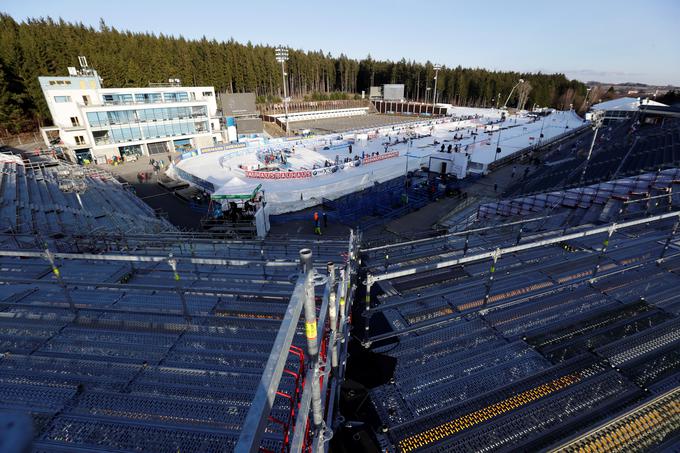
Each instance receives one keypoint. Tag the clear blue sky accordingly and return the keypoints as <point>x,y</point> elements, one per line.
<point>605,40</point>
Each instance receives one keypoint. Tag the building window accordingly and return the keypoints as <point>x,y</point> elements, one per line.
<point>75,121</point>
<point>62,99</point>
<point>207,93</point>
<point>148,98</point>
<point>101,137</point>
<point>118,99</point>
<point>86,100</point>
<point>80,140</point>
<point>180,96</point>
<point>98,119</point>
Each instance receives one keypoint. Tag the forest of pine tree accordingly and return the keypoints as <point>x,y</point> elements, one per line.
<point>41,47</point>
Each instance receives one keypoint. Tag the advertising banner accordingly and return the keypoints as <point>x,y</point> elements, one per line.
<point>188,177</point>
<point>370,159</point>
<point>279,174</point>
<point>324,171</point>
<point>188,154</point>
<point>225,147</point>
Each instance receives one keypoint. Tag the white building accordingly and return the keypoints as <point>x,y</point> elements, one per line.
<point>621,108</point>
<point>98,123</point>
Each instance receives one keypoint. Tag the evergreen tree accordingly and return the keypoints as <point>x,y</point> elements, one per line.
<point>44,47</point>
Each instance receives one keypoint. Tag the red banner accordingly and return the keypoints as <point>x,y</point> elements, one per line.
<point>278,174</point>
<point>371,159</point>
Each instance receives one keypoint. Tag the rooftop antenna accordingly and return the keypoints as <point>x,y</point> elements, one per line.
<point>85,69</point>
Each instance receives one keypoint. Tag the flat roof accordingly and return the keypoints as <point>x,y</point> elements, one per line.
<point>627,104</point>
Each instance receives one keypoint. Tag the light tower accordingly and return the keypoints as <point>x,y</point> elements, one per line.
<point>437,67</point>
<point>282,57</point>
<point>597,120</point>
<point>584,107</point>
<point>511,91</point>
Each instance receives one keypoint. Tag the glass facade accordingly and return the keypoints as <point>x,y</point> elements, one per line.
<point>180,96</point>
<point>101,119</point>
<point>130,150</point>
<point>140,131</point>
<point>125,133</point>
<point>118,126</point>
<point>124,98</point>
<point>148,98</point>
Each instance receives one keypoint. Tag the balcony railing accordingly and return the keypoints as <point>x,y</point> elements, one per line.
<point>149,101</point>
<point>137,120</point>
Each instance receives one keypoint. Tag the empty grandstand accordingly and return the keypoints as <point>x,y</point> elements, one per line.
<point>622,149</point>
<point>120,333</point>
<point>548,321</point>
<point>516,337</point>
<point>59,198</point>
<point>603,201</point>
<point>176,347</point>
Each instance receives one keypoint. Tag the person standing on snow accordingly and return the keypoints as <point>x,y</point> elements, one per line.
<point>317,225</point>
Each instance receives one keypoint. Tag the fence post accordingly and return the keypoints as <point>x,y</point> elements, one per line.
<point>668,241</point>
<point>605,244</point>
<point>367,311</point>
<point>333,316</point>
<point>343,295</point>
<point>489,282</point>
<point>57,274</point>
<point>311,334</point>
<point>185,310</point>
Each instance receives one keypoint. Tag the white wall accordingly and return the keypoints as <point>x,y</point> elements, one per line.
<point>321,114</point>
<point>78,86</point>
<point>456,163</point>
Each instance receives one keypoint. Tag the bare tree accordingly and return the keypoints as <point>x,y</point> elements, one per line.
<point>523,91</point>
<point>593,96</point>
<point>567,99</point>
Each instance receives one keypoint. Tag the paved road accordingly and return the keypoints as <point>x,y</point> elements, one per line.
<point>156,196</point>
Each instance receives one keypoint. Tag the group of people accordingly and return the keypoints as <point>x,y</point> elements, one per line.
<point>455,148</point>
<point>156,166</point>
<point>234,212</point>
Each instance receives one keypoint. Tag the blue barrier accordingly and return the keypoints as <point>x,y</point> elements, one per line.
<point>188,177</point>
<point>370,207</point>
<point>199,208</point>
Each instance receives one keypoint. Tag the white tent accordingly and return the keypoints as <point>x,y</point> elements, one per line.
<point>236,188</point>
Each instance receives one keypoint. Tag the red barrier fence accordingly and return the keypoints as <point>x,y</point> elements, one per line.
<point>370,159</point>
<point>316,172</point>
<point>279,174</point>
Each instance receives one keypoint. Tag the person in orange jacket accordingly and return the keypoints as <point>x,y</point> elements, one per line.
<point>317,225</point>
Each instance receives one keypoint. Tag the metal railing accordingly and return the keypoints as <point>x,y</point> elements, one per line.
<point>326,336</point>
<point>548,142</point>
<point>371,279</point>
<point>325,350</point>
